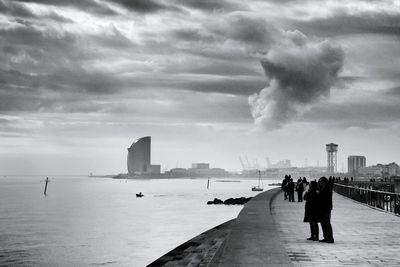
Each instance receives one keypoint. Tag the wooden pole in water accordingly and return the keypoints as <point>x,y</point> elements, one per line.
<point>45,187</point>
<point>208,183</point>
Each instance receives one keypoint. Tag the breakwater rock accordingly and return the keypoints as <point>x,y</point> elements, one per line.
<point>230,201</point>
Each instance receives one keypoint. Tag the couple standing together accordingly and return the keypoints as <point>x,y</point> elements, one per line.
<point>318,209</point>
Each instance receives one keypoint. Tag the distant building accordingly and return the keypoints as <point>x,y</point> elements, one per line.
<point>354,163</point>
<point>200,165</point>
<point>139,158</point>
<point>370,172</point>
<point>155,169</point>
<point>198,170</point>
<point>282,164</point>
<point>380,171</point>
<point>178,172</point>
<point>389,170</point>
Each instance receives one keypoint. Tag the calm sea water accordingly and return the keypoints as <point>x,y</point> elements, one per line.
<point>99,221</point>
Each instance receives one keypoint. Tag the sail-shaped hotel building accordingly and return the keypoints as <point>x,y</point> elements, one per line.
<point>139,157</point>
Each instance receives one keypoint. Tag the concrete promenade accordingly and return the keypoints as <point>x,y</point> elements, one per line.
<point>254,240</point>
<point>363,236</point>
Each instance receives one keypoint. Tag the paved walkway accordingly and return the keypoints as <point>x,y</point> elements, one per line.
<point>363,236</point>
<point>253,241</point>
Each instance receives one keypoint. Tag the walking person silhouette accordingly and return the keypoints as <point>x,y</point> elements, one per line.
<point>312,210</point>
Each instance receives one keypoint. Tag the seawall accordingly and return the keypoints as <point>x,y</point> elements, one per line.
<point>254,239</point>
<point>249,240</point>
<point>199,250</point>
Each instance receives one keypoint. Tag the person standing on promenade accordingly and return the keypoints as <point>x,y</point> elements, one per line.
<point>326,188</point>
<point>300,190</point>
<point>284,186</point>
<point>290,189</point>
<point>312,210</point>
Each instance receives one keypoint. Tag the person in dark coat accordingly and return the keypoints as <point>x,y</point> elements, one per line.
<point>290,189</point>
<point>312,210</point>
<point>300,190</point>
<point>326,188</point>
<point>284,186</point>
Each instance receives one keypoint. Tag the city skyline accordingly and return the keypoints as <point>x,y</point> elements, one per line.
<point>208,80</point>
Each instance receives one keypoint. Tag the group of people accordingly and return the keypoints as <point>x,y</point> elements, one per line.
<point>318,204</point>
<point>289,187</point>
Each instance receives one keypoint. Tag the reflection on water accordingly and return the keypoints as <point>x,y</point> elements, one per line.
<point>100,221</point>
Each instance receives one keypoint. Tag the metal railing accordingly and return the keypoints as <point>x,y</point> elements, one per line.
<point>379,186</point>
<point>387,201</point>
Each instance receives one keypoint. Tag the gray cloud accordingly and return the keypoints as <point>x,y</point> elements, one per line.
<point>300,73</point>
<point>14,9</point>
<point>367,114</point>
<point>20,10</point>
<point>114,40</point>
<point>343,22</point>
<point>246,28</point>
<point>89,6</point>
<point>143,6</point>
<point>211,5</point>
<point>225,68</point>
<point>55,91</point>
<point>49,67</point>
<point>394,91</point>
<point>232,85</point>
<point>191,35</point>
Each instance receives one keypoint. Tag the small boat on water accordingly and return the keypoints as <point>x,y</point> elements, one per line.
<point>139,195</point>
<point>256,188</point>
<point>259,186</point>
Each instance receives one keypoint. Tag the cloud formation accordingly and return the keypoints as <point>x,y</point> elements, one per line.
<point>57,55</point>
<point>300,71</point>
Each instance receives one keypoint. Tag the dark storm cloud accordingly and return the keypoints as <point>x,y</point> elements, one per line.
<point>343,22</point>
<point>300,74</point>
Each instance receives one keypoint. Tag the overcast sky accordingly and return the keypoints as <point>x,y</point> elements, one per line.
<point>80,80</point>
